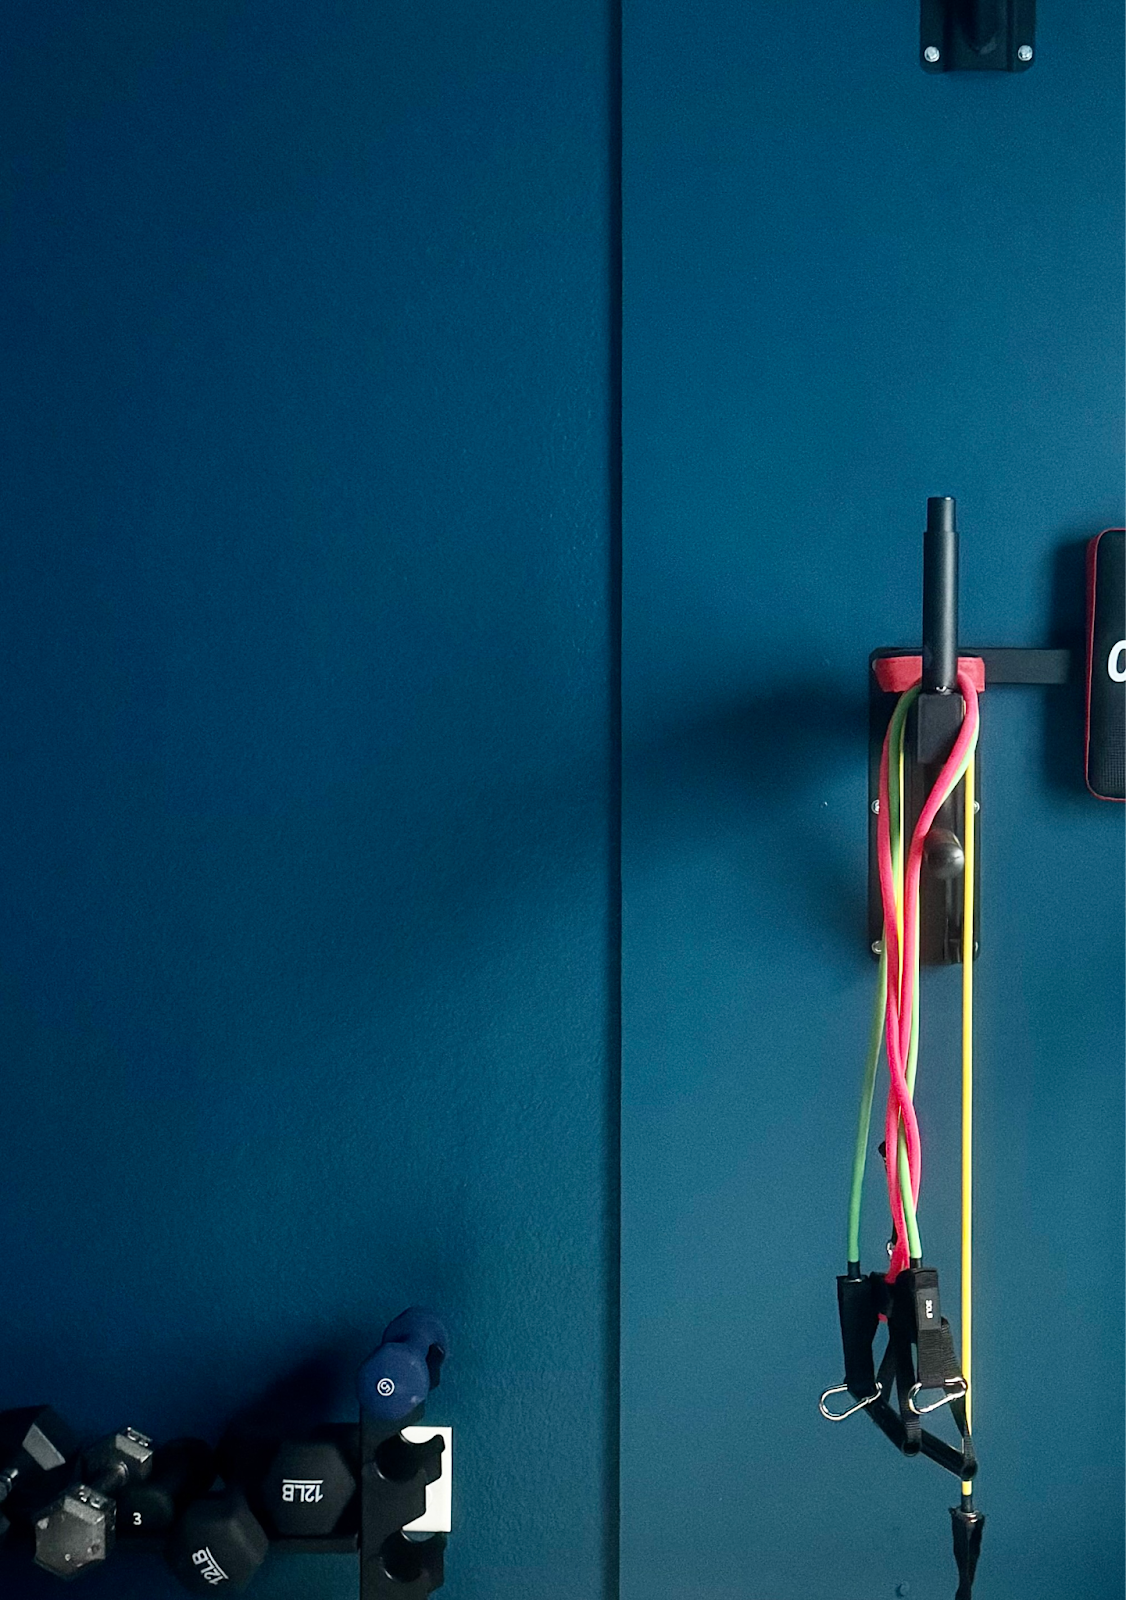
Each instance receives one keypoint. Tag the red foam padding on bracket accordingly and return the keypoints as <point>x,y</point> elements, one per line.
<point>897,674</point>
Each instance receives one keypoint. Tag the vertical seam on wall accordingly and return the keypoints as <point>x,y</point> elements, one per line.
<point>612,1551</point>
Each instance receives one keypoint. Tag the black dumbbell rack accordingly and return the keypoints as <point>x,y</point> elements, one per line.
<point>363,1483</point>
<point>393,1480</point>
<point>393,1476</point>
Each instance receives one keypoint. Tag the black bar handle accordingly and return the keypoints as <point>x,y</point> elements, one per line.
<point>940,597</point>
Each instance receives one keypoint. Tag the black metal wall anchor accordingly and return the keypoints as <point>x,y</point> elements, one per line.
<point>977,35</point>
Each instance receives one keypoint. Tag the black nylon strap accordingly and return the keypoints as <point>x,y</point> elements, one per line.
<point>900,1360</point>
<point>938,1362</point>
<point>911,1300</point>
<point>916,1317</point>
<point>968,1466</point>
<point>918,1300</point>
<point>961,1464</point>
<point>889,1421</point>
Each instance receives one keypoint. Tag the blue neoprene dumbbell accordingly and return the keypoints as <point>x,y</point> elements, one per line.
<point>396,1379</point>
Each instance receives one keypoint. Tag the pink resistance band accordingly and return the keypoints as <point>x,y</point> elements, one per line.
<point>901,975</point>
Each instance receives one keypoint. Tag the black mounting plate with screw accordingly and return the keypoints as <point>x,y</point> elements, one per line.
<point>977,35</point>
<point>940,907</point>
<point>940,897</point>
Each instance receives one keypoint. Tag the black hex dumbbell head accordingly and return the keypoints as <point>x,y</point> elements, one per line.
<point>36,1451</point>
<point>307,1488</point>
<point>77,1531</point>
<point>182,1470</point>
<point>218,1544</point>
<point>116,1460</point>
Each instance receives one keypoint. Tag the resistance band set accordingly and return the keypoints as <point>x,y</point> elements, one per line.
<point>925,869</point>
<point>924,910</point>
<point>924,905</point>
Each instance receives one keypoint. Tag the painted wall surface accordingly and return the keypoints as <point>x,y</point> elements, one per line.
<point>849,285</point>
<point>306,843</point>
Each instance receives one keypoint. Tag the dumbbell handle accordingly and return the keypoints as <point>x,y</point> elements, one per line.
<point>181,1471</point>
<point>109,1466</point>
<point>110,1481</point>
<point>9,1479</point>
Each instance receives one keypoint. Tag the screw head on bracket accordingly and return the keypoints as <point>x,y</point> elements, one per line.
<point>932,54</point>
<point>1024,53</point>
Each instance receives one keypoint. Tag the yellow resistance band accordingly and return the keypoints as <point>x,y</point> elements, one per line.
<point>968,1099</point>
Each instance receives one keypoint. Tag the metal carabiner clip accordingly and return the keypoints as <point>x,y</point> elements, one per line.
<point>936,1405</point>
<point>840,1416</point>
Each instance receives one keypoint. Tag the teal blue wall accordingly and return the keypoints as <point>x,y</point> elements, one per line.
<point>306,843</point>
<point>849,285</point>
<point>308,699</point>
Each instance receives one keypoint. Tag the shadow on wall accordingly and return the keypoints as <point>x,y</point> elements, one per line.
<point>758,770</point>
<point>1064,717</point>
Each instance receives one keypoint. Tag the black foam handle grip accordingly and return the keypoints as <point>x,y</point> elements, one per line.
<point>856,1307</point>
<point>1106,665</point>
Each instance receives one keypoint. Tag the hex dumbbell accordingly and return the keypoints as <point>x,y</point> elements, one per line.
<point>182,1470</point>
<point>77,1531</point>
<point>300,1488</point>
<point>308,1485</point>
<point>36,1450</point>
<point>397,1377</point>
<point>218,1542</point>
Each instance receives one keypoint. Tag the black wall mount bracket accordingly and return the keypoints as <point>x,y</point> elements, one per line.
<point>977,35</point>
<point>941,933</point>
<point>939,667</point>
